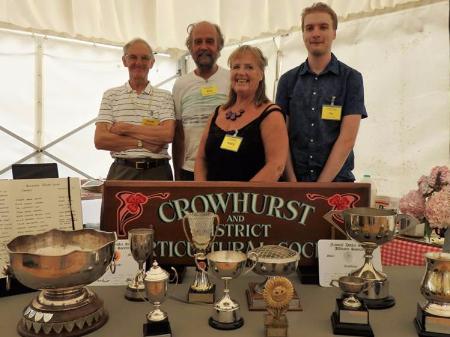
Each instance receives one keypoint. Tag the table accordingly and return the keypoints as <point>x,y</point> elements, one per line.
<point>191,320</point>
<point>406,252</point>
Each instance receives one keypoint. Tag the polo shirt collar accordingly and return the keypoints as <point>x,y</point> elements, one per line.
<point>332,66</point>
<point>148,89</point>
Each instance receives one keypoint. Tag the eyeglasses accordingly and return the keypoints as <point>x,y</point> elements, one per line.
<point>135,58</point>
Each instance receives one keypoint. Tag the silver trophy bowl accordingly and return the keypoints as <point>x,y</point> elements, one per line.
<point>372,227</point>
<point>61,259</point>
<point>273,260</point>
<point>61,264</point>
<point>436,284</point>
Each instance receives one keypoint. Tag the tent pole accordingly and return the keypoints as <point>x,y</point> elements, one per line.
<point>38,109</point>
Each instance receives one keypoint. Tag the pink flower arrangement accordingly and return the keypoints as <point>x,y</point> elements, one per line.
<point>430,203</point>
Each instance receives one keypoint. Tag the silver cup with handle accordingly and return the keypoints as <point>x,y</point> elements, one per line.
<point>433,316</point>
<point>350,315</point>
<point>156,283</point>
<point>199,231</point>
<point>372,227</point>
<point>227,265</point>
<point>141,246</point>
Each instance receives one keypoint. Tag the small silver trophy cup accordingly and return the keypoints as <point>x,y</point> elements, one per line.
<point>156,280</point>
<point>141,246</point>
<point>199,230</point>
<point>273,260</point>
<point>227,265</point>
<point>433,316</point>
<point>372,227</point>
<point>351,316</point>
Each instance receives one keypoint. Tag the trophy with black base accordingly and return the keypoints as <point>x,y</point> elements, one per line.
<point>141,246</point>
<point>278,292</point>
<point>156,280</point>
<point>351,316</point>
<point>199,230</point>
<point>372,227</point>
<point>227,265</point>
<point>433,316</point>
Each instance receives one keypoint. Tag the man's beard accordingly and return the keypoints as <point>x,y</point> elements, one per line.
<point>205,65</point>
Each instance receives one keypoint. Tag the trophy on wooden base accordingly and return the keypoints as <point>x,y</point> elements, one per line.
<point>278,293</point>
<point>351,316</point>
<point>273,260</point>
<point>433,316</point>
<point>61,264</point>
<point>372,227</point>
<point>199,230</point>
<point>156,280</point>
<point>141,246</point>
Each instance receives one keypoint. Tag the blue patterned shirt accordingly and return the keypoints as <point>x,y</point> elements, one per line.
<point>301,95</point>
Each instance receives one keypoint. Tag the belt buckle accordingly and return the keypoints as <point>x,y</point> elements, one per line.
<point>140,165</point>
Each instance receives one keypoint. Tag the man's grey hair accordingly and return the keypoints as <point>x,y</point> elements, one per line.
<point>137,40</point>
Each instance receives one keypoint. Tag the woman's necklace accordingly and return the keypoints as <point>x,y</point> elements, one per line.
<point>234,115</point>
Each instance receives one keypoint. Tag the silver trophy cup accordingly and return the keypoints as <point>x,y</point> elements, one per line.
<point>199,230</point>
<point>60,264</point>
<point>273,260</point>
<point>141,246</point>
<point>433,316</point>
<point>156,280</point>
<point>350,286</point>
<point>351,316</point>
<point>227,265</point>
<point>372,227</point>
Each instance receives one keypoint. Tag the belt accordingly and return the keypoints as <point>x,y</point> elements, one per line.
<point>142,163</point>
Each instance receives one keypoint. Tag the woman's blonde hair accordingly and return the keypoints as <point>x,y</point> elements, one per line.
<point>261,61</point>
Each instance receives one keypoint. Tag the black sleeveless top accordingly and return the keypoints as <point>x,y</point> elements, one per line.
<point>243,165</point>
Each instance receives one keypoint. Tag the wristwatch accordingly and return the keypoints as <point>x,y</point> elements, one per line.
<point>139,144</point>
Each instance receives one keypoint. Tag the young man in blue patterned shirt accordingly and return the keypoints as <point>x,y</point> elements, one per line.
<point>323,99</point>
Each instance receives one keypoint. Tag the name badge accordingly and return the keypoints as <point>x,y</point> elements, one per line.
<point>331,112</point>
<point>231,143</point>
<point>150,121</point>
<point>209,91</point>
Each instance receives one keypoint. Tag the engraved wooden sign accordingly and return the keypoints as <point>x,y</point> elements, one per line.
<point>251,214</point>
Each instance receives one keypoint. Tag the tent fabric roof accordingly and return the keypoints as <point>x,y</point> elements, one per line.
<point>163,22</point>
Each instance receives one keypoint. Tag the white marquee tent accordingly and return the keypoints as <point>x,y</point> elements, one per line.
<point>58,56</point>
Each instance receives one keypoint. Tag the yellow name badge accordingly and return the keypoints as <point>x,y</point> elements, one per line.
<point>331,112</point>
<point>209,91</point>
<point>231,143</point>
<point>150,121</point>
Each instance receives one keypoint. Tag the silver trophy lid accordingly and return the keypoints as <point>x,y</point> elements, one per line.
<point>156,273</point>
<point>275,254</point>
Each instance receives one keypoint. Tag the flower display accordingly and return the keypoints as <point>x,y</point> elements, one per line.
<point>430,203</point>
<point>437,210</point>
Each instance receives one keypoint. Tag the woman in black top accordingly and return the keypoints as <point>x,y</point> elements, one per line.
<point>246,138</point>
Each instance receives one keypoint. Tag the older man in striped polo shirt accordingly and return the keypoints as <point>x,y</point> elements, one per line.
<point>136,121</point>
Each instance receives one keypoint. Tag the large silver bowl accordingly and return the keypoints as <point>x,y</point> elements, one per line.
<point>373,225</point>
<point>61,259</point>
